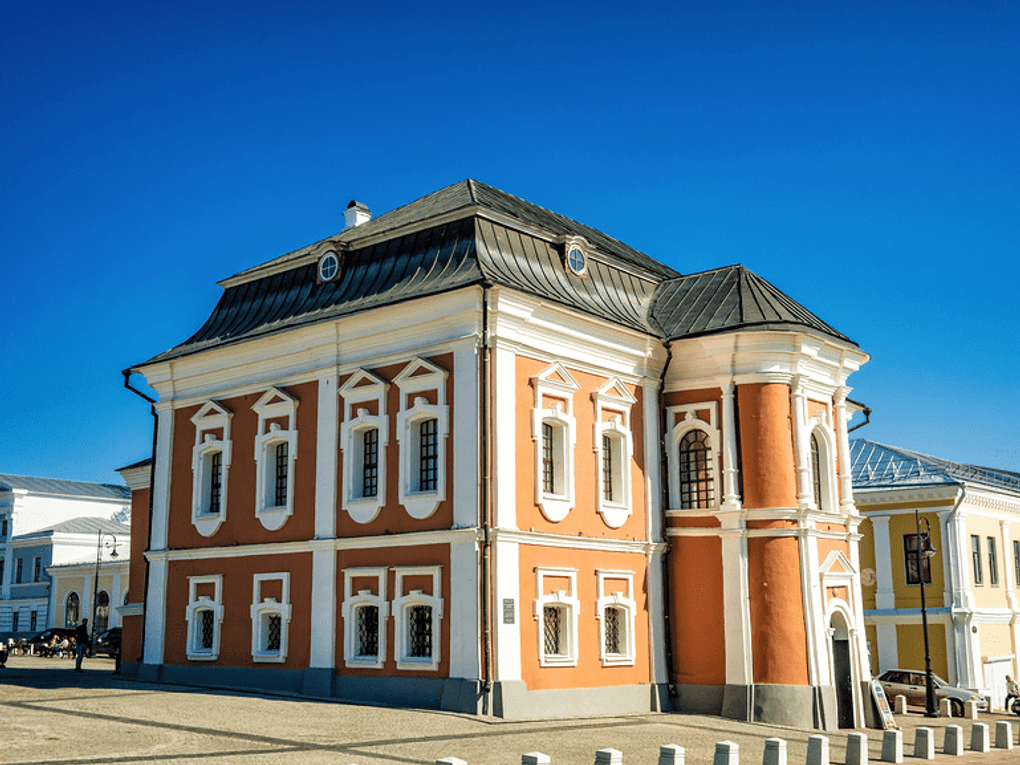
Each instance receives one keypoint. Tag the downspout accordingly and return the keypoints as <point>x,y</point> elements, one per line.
<point>671,688</point>
<point>867,419</point>
<point>486,510</point>
<point>152,486</point>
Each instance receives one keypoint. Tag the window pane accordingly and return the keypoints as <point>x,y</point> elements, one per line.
<point>975,555</point>
<point>428,455</point>
<point>552,622</point>
<point>215,482</point>
<point>419,625</point>
<point>548,467</point>
<point>1016,561</point>
<point>71,610</point>
<point>274,623</point>
<point>368,630</point>
<point>206,626</point>
<point>614,624</point>
<point>816,470</point>
<point>370,463</point>
<point>607,468</point>
<point>280,498</point>
<point>102,612</point>
<point>993,562</point>
<point>696,489</point>
<point>914,561</point>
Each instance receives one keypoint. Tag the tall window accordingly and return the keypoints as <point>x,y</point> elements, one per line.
<point>816,471</point>
<point>72,608</point>
<point>215,482</point>
<point>282,468</point>
<point>993,563</point>
<point>607,468</point>
<point>553,623</point>
<point>17,570</point>
<point>270,616</point>
<point>428,455</point>
<point>3,529</point>
<point>370,463</point>
<point>365,610</point>
<point>695,471</point>
<point>975,557</point>
<point>207,629</point>
<point>102,612</point>
<point>417,618</point>
<point>367,621</point>
<point>210,466</point>
<point>1016,561</point>
<point>33,620</point>
<point>548,462</point>
<point>916,563</point>
<point>614,629</point>
<point>204,616</point>
<point>1,571</point>
<point>419,635</point>
<point>14,621</point>
<point>37,569</point>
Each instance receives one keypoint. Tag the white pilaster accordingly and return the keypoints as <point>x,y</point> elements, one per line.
<point>327,437</point>
<point>814,610</point>
<point>155,612</point>
<point>846,483</point>
<point>653,515</point>
<point>736,615</point>
<point>465,639</point>
<point>731,494</point>
<point>506,557</point>
<point>161,483</point>
<point>504,437</point>
<point>805,494</point>
<point>323,607</point>
<point>466,450</point>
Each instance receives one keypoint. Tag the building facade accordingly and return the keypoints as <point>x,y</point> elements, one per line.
<point>971,583</point>
<point>477,456</point>
<point>45,521</point>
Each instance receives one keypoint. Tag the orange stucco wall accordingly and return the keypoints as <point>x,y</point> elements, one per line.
<point>390,557</point>
<point>392,518</point>
<point>697,625</point>
<point>238,576</point>
<point>778,637</point>
<point>131,641</point>
<point>584,519</point>
<point>589,671</point>
<point>241,525</point>
<point>766,440</point>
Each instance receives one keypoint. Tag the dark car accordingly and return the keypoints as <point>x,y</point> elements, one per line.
<point>108,642</point>
<point>41,643</point>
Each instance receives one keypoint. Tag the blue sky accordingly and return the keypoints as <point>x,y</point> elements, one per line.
<point>861,156</point>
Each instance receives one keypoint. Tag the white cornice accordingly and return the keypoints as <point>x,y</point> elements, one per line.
<point>869,501</point>
<point>538,539</point>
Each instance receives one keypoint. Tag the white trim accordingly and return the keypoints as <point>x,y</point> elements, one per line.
<point>274,404</point>
<point>361,387</point>
<point>627,605</point>
<point>676,431</point>
<point>360,599</point>
<point>421,504</point>
<point>569,605</point>
<point>265,607</point>
<point>403,603</point>
<point>613,398</point>
<point>327,430</point>
<point>211,416</point>
<point>323,608</point>
<point>196,605</point>
<point>556,505</point>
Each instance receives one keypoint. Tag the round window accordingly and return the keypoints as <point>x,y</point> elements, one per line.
<point>575,260</point>
<point>328,267</point>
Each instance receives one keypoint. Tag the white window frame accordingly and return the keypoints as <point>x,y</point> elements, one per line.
<point>420,376</point>
<point>819,426</point>
<point>686,418</point>
<point>349,609</point>
<point>627,605</point>
<point>262,609</point>
<point>403,603</point>
<point>560,599</point>
<point>613,403</point>
<point>363,387</point>
<point>196,605</point>
<point>555,383</point>
<point>274,405</point>
<point>211,416</point>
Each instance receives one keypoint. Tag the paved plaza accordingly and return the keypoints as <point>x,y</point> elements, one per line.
<point>49,713</point>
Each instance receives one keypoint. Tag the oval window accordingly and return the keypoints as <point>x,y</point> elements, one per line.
<point>329,266</point>
<point>575,260</point>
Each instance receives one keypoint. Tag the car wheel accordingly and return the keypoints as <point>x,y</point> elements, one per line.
<point>957,708</point>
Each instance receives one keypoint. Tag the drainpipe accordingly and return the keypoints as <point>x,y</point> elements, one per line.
<point>664,488</point>
<point>152,486</point>
<point>487,594</point>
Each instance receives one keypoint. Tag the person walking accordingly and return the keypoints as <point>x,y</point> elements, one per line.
<point>1012,691</point>
<point>81,641</point>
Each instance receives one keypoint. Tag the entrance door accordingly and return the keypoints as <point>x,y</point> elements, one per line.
<point>842,672</point>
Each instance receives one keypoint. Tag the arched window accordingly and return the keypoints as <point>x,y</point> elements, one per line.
<point>696,471</point>
<point>72,610</point>
<point>102,612</point>
<point>816,470</point>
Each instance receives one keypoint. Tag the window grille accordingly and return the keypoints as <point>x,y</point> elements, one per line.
<point>607,468</point>
<point>72,610</point>
<point>816,470</point>
<point>552,618</point>
<point>975,557</point>
<point>215,482</point>
<point>280,499</point>
<point>696,490</point>
<point>548,468</point>
<point>370,463</point>
<point>368,630</point>
<point>419,626</point>
<point>613,626</point>
<point>915,561</point>
<point>428,455</point>
<point>993,562</point>
<point>274,624</point>
<point>207,626</point>
<point>102,612</point>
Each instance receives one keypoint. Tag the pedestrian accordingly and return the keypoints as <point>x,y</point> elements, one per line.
<point>81,641</point>
<point>1012,691</point>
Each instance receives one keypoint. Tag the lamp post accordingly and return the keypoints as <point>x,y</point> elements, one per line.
<point>95,586</point>
<point>925,552</point>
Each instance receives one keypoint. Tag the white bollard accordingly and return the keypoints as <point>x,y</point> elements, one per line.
<point>818,750</point>
<point>892,746</point>
<point>775,752</point>
<point>857,749</point>
<point>900,704</point>
<point>608,757</point>
<point>954,741</point>
<point>1003,735</point>
<point>450,761</point>
<point>924,743</point>
<point>945,708</point>
<point>979,738</point>
<point>671,754</point>
<point>970,710</point>
<point>535,758</point>
<point>726,753</point>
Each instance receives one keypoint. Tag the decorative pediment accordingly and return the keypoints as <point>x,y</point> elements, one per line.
<point>210,412</point>
<point>363,383</point>
<point>837,566</point>
<point>615,392</point>
<point>275,400</point>
<point>557,376</point>
<point>421,374</point>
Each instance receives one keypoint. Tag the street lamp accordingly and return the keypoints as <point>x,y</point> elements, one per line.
<point>95,586</point>
<point>924,548</point>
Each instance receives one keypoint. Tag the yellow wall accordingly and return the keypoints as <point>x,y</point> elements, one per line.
<point>987,595</point>
<point>867,560</point>
<point>910,648</point>
<point>909,596</point>
<point>67,584</point>
<point>995,640</point>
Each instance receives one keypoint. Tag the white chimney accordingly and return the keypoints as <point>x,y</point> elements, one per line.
<point>356,214</point>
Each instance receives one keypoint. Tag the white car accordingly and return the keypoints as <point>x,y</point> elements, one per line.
<point>911,683</point>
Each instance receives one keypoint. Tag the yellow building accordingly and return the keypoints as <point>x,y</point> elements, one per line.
<point>972,580</point>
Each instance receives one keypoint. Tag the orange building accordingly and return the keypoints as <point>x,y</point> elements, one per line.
<point>474,455</point>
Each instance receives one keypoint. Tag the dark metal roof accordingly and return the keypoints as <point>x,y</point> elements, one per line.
<point>877,466</point>
<point>727,299</point>
<point>66,488</point>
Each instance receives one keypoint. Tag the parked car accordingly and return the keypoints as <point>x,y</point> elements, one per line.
<point>42,641</point>
<point>108,642</point>
<point>911,683</point>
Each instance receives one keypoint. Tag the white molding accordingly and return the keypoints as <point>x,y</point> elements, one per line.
<point>555,505</point>
<point>362,387</point>
<point>327,436</point>
<point>421,504</point>
<point>274,404</point>
<point>504,438</point>
<point>198,604</point>
<point>323,608</point>
<point>676,432</point>
<point>155,612</point>
<point>627,605</point>
<point>362,598</point>
<point>211,416</point>
<point>567,602</point>
<point>262,607</point>
<point>401,604</point>
<point>614,398</point>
